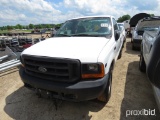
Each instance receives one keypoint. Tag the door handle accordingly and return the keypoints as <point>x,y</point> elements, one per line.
<point>114,48</point>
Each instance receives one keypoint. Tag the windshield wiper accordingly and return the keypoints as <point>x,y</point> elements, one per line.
<point>86,35</point>
<point>63,35</point>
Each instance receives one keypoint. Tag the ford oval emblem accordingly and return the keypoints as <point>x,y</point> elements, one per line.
<point>42,69</point>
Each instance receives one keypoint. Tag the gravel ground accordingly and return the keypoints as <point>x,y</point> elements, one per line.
<point>131,90</point>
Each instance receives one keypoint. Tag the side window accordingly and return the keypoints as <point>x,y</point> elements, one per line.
<point>115,24</point>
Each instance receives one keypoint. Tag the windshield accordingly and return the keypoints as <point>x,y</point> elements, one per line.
<point>95,26</point>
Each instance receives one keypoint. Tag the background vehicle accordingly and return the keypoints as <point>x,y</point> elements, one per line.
<point>67,68</point>
<point>36,30</point>
<point>53,32</point>
<point>148,24</point>
<point>127,26</point>
<point>122,29</point>
<point>134,20</point>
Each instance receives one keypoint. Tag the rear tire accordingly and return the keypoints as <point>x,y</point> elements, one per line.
<point>142,65</point>
<point>133,47</point>
<point>105,96</point>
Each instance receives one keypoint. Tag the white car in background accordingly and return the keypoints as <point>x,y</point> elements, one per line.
<point>127,26</point>
<point>123,32</point>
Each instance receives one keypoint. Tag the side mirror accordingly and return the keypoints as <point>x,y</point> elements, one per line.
<point>117,35</point>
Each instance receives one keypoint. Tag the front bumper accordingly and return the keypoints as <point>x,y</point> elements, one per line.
<point>137,43</point>
<point>79,91</point>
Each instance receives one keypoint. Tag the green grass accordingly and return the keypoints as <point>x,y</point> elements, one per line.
<point>25,30</point>
<point>12,31</point>
<point>4,31</point>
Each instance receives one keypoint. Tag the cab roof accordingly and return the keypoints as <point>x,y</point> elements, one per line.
<point>91,17</point>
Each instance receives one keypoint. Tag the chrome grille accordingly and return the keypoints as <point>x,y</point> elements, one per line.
<point>55,69</point>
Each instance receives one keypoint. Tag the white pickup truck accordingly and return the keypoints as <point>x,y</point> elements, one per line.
<point>77,63</point>
<point>150,57</point>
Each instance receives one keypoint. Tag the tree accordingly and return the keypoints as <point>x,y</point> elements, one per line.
<point>48,26</point>
<point>31,26</point>
<point>151,15</point>
<point>39,26</point>
<point>23,27</point>
<point>123,18</point>
<point>9,27</point>
<point>18,26</point>
<point>4,27</point>
<point>27,27</point>
<point>58,25</point>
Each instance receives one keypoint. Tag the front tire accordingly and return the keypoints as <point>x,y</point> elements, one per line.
<point>142,65</point>
<point>105,96</point>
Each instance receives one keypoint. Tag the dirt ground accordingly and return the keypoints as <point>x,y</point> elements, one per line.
<point>131,90</point>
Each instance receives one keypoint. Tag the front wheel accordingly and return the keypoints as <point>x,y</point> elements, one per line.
<point>105,96</point>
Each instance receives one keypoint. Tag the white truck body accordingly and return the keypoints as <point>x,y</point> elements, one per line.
<point>97,47</point>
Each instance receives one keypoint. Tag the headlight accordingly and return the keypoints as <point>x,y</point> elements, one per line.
<point>92,70</point>
<point>93,67</point>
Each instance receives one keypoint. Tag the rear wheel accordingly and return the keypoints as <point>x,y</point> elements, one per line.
<point>142,65</point>
<point>133,47</point>
<point>105,96</point>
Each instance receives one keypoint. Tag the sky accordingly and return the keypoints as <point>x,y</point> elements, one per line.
<point>24,12</point>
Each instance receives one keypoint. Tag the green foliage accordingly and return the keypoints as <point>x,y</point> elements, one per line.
<point>18,26</point>
<point>23,27</point>
<point>39,26</point>
<point>48,26</point>
<point>31,26</point>
<point>4,28</point>
<point>9,27</point>
<point>58,25</point>
<point>151,15</point>
<point>123,18</point>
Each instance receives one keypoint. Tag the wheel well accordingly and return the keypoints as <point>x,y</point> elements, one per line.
<point>112,64</point>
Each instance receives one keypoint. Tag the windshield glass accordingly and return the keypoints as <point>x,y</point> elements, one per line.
<point>95,26</point>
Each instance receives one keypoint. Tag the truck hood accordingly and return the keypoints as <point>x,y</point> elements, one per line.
<point>86,49</point>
